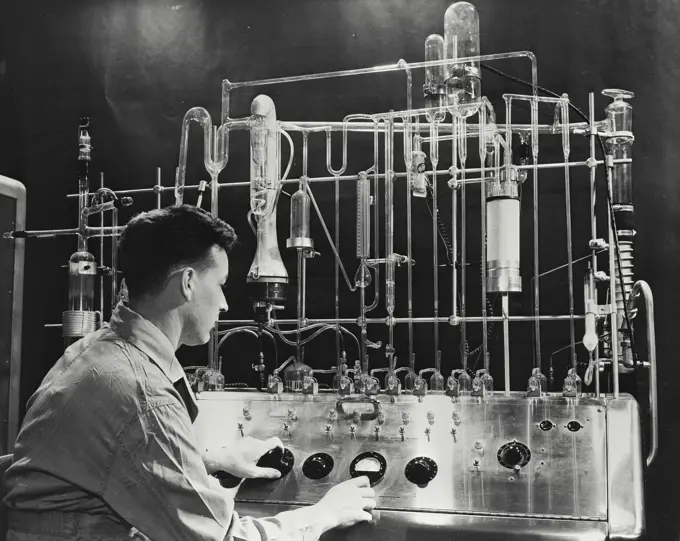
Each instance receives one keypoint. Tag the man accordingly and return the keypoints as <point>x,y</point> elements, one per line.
<point>106,448</point>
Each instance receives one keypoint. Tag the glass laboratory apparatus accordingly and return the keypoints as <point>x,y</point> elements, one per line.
<point>461,38</point>
<point>294,376</point>
<point>82,275</point>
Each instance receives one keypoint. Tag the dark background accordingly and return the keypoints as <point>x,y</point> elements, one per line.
<point>135,67</point>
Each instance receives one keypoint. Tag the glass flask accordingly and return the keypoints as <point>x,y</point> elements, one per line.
<point>461,40</point>
<point>294,376</point>
<point>299,214</point>
<point>82,275</point>
<point>435,78</point>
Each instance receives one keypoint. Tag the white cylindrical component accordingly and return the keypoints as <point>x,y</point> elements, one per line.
<point>502,253</point>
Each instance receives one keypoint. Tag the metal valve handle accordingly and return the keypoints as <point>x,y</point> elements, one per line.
<point>358,400</point>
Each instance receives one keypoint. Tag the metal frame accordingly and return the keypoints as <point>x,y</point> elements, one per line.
<point>16,190</point>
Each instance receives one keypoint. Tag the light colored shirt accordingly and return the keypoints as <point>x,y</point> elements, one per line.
<point>107,433</point>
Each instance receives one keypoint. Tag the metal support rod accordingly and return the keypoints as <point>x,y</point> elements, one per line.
<point>434,158</point>
<point>114,262</point>
<point>642,287</point>
<point>537,311</point>
<point>409,254</point>
<point>337,271</point>
<point>462,154</point>
<point>101,253</point>
<point>399,320</point>
<point>228,85</point>
<point>578,128</point>
<point>158,188</point>
<point>390,279</point>
<point>556,165</point>
<point>593,222</point>
<point>482,199</point>
<point>299,304</point>
<point>454,222</point>
<point>612,285</point>
<point>506,342</point>
<point>564,106</point>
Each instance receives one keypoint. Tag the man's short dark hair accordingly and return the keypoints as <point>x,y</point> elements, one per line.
<point>156,242</point>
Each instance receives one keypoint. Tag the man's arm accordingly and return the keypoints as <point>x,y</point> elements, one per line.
<point>159,484</point>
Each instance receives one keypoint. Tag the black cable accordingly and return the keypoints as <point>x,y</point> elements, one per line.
<point>451,257</point>
<point>609,203</point>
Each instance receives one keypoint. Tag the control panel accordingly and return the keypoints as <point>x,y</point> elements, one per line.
<point>542,457</point>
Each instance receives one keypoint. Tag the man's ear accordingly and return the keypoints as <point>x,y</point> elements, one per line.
<point>188,283</point>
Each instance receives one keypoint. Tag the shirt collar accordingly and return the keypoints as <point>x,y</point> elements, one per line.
<point>148,338</point>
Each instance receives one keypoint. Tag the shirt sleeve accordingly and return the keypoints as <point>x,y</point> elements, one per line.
<point>158,483</point>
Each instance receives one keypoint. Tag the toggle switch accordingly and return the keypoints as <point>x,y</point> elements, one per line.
<point>479,448</point>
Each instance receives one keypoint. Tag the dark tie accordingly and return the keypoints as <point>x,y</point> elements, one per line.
<point>181,387</point>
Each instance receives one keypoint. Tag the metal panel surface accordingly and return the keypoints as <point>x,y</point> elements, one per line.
<point>407,526</point>
<point>626,475</point>
<point>565,477</point>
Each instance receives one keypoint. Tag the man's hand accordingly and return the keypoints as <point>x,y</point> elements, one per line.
<point>240,458</point>
<point>348,503</point>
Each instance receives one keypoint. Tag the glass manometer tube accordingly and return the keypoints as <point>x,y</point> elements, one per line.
<point>461,40</point>
<point>590,339</point>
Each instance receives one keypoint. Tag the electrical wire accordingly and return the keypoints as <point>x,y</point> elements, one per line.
<point>609,203</point>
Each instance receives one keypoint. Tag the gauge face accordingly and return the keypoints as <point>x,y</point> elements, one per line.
<point>369,464</point>
<point>366,465</point>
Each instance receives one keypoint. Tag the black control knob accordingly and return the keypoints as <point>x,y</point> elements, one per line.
<point>279,459</point>
<point>514,454</point>
<point>318,466</point>
<point>574,426</point>
<point>421,470</point>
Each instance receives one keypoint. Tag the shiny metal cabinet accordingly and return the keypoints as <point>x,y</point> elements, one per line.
<point>470,468</point>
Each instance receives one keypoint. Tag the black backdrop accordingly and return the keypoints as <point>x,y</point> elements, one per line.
<point>136,66</point>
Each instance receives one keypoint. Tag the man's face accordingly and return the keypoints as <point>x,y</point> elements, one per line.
<point>208,299</point>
